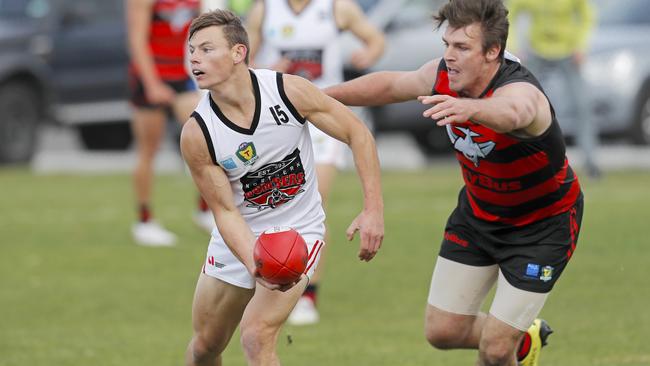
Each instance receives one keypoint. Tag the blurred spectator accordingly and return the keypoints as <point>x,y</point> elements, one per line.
<point>301,37</point>
<point>160,85</point>
<point>557,38</point>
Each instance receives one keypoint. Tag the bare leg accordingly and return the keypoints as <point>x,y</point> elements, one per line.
<point>262,321</point>
<point>499,343</point>
<point>445,330</point>
<point>216,312</point>
<point>148,128</point>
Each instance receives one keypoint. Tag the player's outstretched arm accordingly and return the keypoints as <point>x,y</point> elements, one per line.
<point>214,187</point>
<point>514,108</point>
<point>339,122</point>
<point>385,87</point>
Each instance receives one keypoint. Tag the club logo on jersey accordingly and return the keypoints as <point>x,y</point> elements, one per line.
<point>247,153</point>
<point>274,184</point>
<point>547,273</point>
<point>465,143</point>
<point>287,31</point>
<point>228,163</point>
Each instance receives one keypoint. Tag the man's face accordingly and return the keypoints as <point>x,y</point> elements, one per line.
<point>211,58</point>
<point>467,64</point>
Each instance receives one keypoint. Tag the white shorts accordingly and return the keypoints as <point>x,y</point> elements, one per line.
<point>327,150</point>
<point>220,263</point>
<point>460,289</point>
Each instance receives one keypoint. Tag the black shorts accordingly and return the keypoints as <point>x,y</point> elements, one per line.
<point>531,257</point>
<point>139,99</point>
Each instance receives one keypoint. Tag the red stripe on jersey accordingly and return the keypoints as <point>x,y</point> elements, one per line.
<point>556,208</point>
<point>517,168</point>
<point>515,198</point>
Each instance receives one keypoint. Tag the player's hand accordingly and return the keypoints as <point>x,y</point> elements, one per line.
<point>361,59</point>
<point>159,93</point>
<point>447,109</point>
<point>370,224</point>
<point>273,286</point>
<point>282,65</point>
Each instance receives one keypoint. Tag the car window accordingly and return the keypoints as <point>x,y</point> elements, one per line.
<point>23,9</point>
<point>621,12</point>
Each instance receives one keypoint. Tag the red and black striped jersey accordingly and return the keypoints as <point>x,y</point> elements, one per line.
<point>168,33</point>
<point>510,180</point>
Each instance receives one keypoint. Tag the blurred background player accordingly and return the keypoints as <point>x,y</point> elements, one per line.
<point>248,149</point>
<point>556,41</point>
<point>300,37</point>
<point>160,84</point>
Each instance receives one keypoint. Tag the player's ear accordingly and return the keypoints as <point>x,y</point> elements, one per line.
<point>493,52</point>
<point>238,52</point>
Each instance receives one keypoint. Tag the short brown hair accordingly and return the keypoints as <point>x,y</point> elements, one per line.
<point>491,14</point>
<point>233,30</point>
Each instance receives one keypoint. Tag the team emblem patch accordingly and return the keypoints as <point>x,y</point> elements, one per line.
<point>274,184</point>
<point>247,153</point>
<point>547,273</point>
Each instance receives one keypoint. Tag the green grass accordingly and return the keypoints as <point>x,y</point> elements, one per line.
<point>75,290</point>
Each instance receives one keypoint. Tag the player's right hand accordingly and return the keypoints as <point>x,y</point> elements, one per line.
<point>160,93</point>
<point>370,225</point>
<point>273,286</point>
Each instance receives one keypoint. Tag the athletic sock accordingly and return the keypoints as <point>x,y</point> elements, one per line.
<point>524,347</point>
<point>203,206</point>
<point>144,212</point>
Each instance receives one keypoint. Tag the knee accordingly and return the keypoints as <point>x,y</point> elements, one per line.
<point>496,352</point>
<point>443,338</point>
<point>202,350</point>
<point>445,333</point>
<point>257,339</point>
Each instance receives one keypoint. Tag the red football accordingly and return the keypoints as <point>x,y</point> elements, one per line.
<point>280,255</point>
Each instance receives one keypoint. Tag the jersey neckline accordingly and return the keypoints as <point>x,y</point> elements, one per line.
<point>256,117</point>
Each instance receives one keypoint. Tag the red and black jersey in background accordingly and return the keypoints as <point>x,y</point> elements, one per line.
<point>168,33</point>
<point>508,179</point>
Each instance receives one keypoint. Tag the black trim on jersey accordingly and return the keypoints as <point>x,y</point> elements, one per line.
<point>285,99</point>
<point>206,134</point>
<point>256,117</point>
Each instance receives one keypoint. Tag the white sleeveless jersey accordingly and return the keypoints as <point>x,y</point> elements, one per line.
<point>309,39</point>
<point>270,166</point>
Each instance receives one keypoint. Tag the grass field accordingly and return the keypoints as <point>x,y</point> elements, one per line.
<point>75,290</point>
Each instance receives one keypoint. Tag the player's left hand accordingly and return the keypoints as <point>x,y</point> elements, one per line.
<point>447,109</point>
<point>370,224</point>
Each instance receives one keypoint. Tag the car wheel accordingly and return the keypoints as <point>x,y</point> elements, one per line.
<point>106,136</point>
<point>641,130</point>
<point>432,141</point>
<point>19,118</point>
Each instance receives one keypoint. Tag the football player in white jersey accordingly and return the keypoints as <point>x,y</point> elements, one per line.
<point>267,112</point>
<point>300,37</point>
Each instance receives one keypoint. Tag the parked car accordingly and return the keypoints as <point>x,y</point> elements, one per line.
<point>63,61</point>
